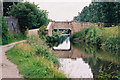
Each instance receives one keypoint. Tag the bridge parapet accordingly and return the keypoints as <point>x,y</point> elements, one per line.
<point>74,26</point>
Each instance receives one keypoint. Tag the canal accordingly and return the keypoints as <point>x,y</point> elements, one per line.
<point>85,61</point>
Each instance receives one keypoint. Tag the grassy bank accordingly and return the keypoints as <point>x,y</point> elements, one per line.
<point>34,59</point>
<point>6,36</point>
<point>107,38</point>
<point>13,37</point>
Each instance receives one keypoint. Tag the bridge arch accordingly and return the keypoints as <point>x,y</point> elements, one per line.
<point>74,26</point>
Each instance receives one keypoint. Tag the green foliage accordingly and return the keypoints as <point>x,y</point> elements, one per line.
<point>104,64</point>
<point>42,32</point>
<point>106,76</point>
<point>104,12</point>
<point>0,29</point>
<point>47,54</point>
<point>112,43</point>
<point>87,35</point>
<point>6,7</point>
<point>13,37</point>
<point>34,59</point>
<point>81,16</point>
<point>26,33</point>
<point>102,37</point>
<point>53,40</point>
<point>29,15</point>
<point>5,33</point>
<point>6,36</point>
<point>41,48</point>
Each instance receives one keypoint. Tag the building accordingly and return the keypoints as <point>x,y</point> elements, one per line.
<point>13,25</point>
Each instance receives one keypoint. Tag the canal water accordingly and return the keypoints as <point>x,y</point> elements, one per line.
<point>85,61</point>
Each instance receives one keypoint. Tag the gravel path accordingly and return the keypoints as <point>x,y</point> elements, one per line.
<point>7,68</point>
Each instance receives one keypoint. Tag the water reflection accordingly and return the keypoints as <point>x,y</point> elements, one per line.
<point>75,68</point>
<point>71,62</point>
<point>64,46</point>
<point>85,61</point>
<point>104,64</point>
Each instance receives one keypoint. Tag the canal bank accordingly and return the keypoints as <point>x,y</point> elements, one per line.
<point>34,59</point>
<point>82,61</point>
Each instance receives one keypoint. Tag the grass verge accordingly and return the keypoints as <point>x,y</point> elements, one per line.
<point>13,37</point>
<point>34,59</point>
<point>107,38</point>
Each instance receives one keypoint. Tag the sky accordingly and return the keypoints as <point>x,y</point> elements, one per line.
<point>62,10</point>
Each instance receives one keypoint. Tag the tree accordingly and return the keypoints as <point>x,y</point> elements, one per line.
<point>6,7</point>
<point>29,16</point>
<point>83,16</point>
<point>104,12</point>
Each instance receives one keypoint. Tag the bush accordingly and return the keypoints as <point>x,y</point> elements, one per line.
<point>32,65</point>
<point>15,37</point>
<point>112,43</point>
<point>29,15</point>
<point>87,35</point>
<point>54,38</point>
<point>34,59</point>
<point>101,37</point>
<point>8,37</point>
<point>5,34</point>
<point>41,31</point>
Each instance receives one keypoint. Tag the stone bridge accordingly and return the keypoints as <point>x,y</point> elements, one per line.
<point>74,26</point>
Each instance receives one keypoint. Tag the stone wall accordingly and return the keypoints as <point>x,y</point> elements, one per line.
<point>78,26</point>
<point>74,26</point>
<point>13,25</point>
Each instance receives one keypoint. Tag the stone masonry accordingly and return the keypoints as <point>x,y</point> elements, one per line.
<point>74,26</point>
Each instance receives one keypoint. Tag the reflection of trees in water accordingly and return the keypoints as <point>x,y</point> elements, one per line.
<point>102,69</point>
<point>58,42</point>
<point>99,53</point>
<point>103,64</point>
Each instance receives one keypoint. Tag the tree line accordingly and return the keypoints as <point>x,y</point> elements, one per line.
<point>100,12</point>
<point>29,15</point>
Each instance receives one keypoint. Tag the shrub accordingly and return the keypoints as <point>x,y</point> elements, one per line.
<point>8,37</point>
<point>102,37</point>
<point>32,65</point>
<point>34,59</point>
<point>41,31</point>
<point>5,33</point>
<point>29,15</point>
<point>47,54</point>
<point>112,43</point>
<point>87,35</point>
<point>54,38</point>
